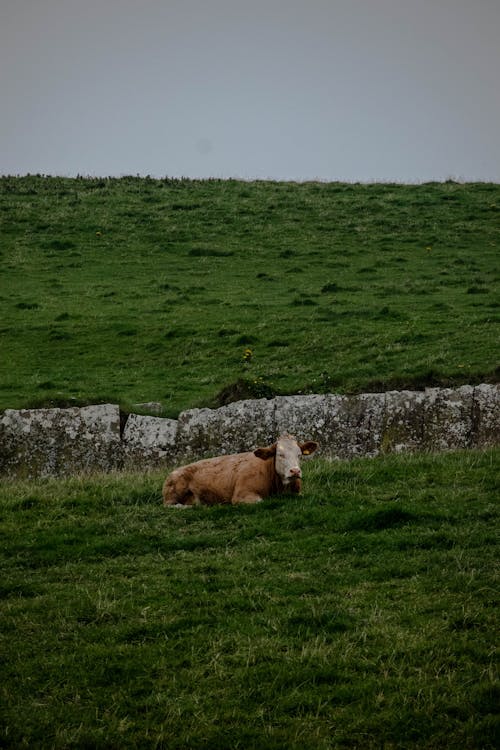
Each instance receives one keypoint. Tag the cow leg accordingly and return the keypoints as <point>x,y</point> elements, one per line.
<point>249,498</point>
<point>170,495</point>
<point>176,492</point>
<point>175,500</point>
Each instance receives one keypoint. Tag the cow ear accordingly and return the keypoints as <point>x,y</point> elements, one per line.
<point>265,453</point>
<point>309,447</point>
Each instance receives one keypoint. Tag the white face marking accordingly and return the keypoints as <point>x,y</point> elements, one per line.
<point>287,460</point>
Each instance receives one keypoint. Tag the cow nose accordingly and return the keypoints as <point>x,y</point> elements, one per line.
<point>295,472</point>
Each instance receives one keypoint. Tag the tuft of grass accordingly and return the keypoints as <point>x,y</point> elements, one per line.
<point>363,614</point>
<point>142,275</point>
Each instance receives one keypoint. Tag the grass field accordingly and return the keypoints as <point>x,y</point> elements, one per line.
<point>361,615</point>
<point>135,290</point>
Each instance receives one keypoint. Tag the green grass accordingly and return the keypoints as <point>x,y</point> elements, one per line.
<point>135,290</point>
<point>361,615</point>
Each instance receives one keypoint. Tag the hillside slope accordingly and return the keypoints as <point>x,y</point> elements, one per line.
<point>193,293</point>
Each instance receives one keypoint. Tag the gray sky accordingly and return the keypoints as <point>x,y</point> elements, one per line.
<point>403,90</point>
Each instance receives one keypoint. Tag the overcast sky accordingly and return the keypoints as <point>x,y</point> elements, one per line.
<point>359,90</point>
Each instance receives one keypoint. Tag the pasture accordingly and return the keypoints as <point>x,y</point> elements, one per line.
<point>360,615</point>
<point>194,293</point>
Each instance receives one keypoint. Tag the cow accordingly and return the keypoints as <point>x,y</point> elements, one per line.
<point>241,477</point>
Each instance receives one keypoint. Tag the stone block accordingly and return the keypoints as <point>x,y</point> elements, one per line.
<point>302,416</point>
<point>60,442</point>
<point>447,418</point>
<point>403,424</point>
<point>237,427</point>
<point>149,441</point>
<point>354,424</point>
<point>486,415</point>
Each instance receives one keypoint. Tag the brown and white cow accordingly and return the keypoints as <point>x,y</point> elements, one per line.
<point>239,478</point>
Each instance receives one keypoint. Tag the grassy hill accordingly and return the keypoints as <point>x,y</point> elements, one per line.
<point>136,289</point>
<point>360,615</point>
<point>363,614</point>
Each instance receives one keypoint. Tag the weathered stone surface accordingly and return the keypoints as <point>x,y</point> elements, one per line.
<point>343,426</point>
<point>302,416</point>
<point>354,425</point>
<point>148,440</point>
<point>44,442</point>
<point>486,415</point>
<point>240,426</point>
<point>403,425</point>
<point>447,418</point>
<point>56,442</point>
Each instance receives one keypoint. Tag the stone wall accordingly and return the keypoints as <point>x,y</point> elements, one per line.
<point>59,442</point>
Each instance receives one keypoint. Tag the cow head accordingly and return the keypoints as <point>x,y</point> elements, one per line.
<point>287,452</point>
